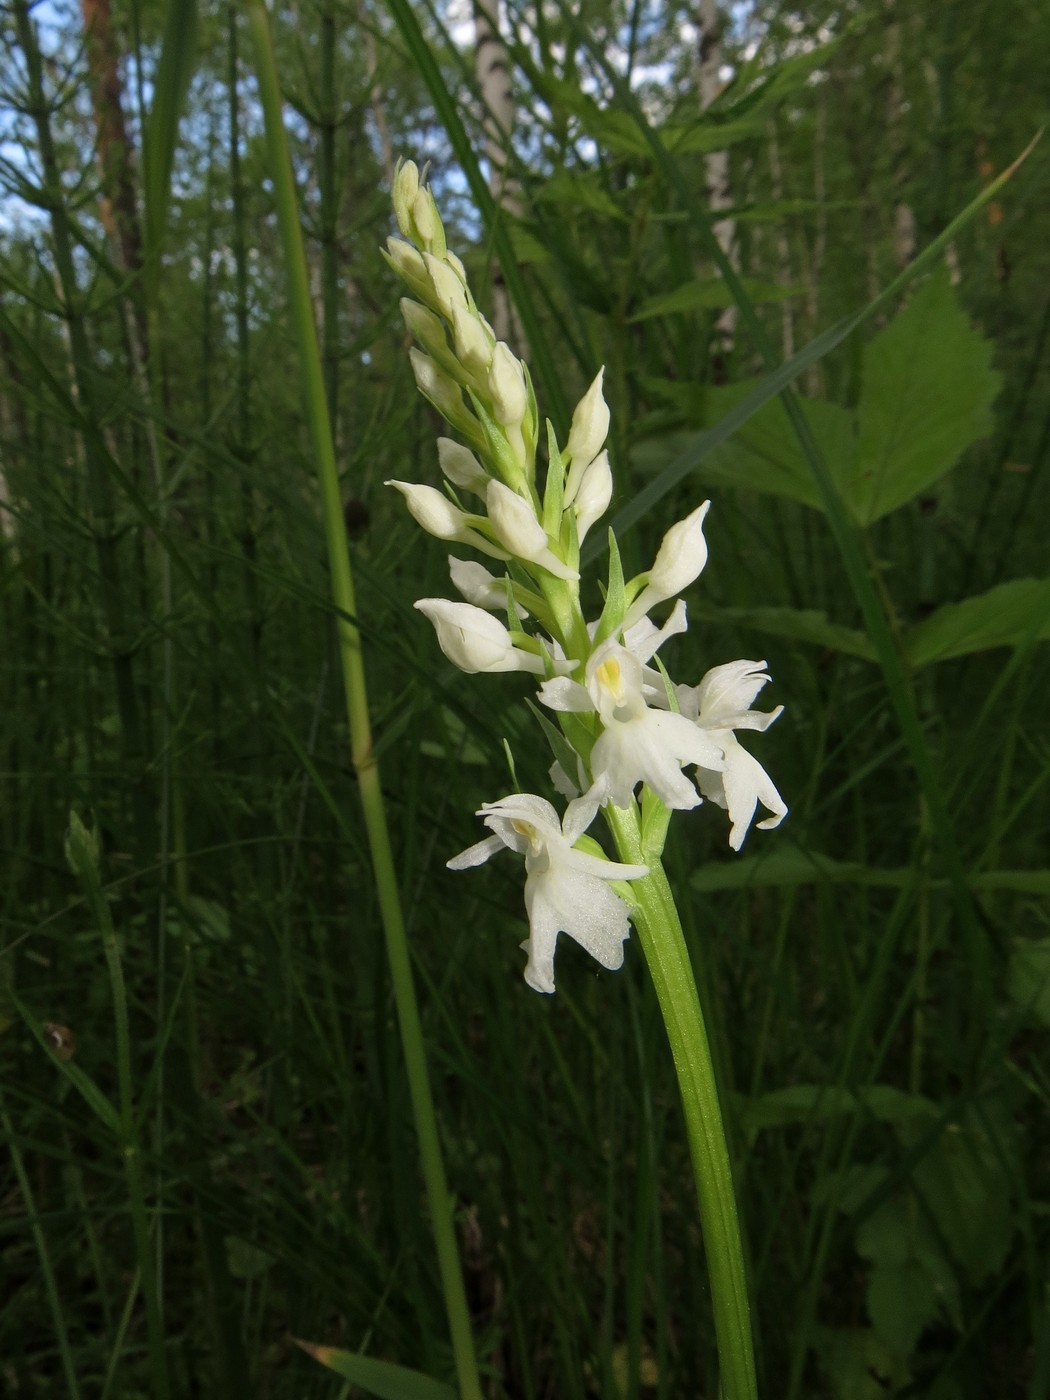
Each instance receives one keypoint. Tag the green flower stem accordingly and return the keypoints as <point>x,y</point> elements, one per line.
<point>663,943</point>
<point>363,755</point>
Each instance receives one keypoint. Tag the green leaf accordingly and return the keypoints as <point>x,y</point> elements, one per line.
<point>710,294</point>
<point>1004,616</point>
<point>380,1378</point>
<point>796,624</point>
<point>927,394</point>
<point>965,1184</point>
<point>1028,979</point>
<point>764,455</point>
<point>580,189</point>
<point>858,1364</point>
<point>911,1283</point>
<point>788,866</point>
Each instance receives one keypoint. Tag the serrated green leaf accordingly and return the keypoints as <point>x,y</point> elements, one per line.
<point>710,294</point>
<point>1001,617</point>
<point>927,392</point>
<point>763,455</point>
<point>384,1379</point>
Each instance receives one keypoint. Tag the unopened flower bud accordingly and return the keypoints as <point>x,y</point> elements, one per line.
<point>679,560</point>
<point>473,347</point>
<point>456,265</point>
<point>681,556</point>
<point>442,391</point>
<point>448,291</point>
<point>424,217</point>
<point>594,494</point>
<point>406,262</point>
<point>434,511</point>
<point>461,467</point>
<point>423,324</point>
<point>590,425</point>
<point>515,525</point>
<point>478,585</point>
<point>507,387</point>
<point>474,640</point>
<point>406,188</point>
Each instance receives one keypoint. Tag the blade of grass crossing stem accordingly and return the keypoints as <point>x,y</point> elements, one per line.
<point>363,757</point>
<point>845,535</point>
<point>553,389</point>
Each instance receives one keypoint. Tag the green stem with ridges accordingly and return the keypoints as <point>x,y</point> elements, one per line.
<point>363,755</point>
<point>663,943</point>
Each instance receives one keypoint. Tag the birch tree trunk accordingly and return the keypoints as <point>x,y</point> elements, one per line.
<point>492,70</point>
<point>716,163</point>
<point>904,232</point>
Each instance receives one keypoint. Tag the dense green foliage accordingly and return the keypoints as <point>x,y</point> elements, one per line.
<point>876,972</point>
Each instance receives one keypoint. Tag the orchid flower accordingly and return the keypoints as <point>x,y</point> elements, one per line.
<point>638,744</point>
<point>720,704</point>
<point>566,890</point>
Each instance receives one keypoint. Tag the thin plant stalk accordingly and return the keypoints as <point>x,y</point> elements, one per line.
<point>82,852</point>
<point>58,1316</point>
<point>113,590</point>
<point>667,957</point>
<point>362,752</point>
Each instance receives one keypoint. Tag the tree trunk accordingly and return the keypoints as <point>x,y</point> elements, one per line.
<point>492,69</point>
<point>716,164</point>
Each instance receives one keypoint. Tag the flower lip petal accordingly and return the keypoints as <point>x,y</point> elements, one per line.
<point>475,855</point>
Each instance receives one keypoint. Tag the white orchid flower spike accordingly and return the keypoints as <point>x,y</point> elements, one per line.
<point>566,891</point>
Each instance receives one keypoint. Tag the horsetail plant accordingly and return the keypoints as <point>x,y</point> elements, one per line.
<point>628,732</point>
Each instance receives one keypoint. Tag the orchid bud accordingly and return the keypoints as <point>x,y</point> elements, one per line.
<point>478,586</point>
<point>406,188</point>
<point>679,560</point>
<point>473,347</point>
<point>434,511</point>
<point>681,556</point>
<point>448,291</point>
<point>474,640</point>
<point>594,494</point>
<point>461,467</point>
<point>424,217</point>
<point>442,391</point>
<point>515,526</point>
<point>408,264</point>
<point>507,387</point>
<point>590,424</point>
<point>423,324</point>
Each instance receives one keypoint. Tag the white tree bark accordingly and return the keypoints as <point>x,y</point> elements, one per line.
<point>716,164</point>
<point>492,70</point>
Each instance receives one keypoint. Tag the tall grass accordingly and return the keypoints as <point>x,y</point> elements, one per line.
<point>887,1116</point>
